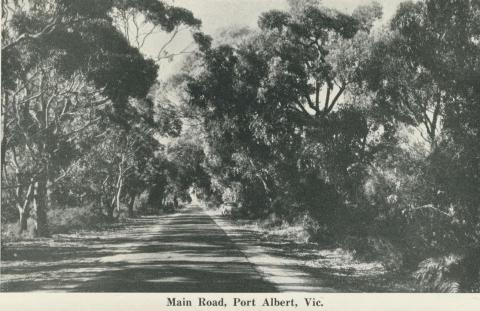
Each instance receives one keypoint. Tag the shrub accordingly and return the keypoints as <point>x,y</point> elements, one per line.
<point>317,232</point>
<point>374,248</point>
<point>64,220</point>
<point>437,274</point>
<point>10,232</point>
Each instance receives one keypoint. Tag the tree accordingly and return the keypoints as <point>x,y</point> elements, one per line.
<point>406,89</point>
<point>426,72</point>
<point>271,103</point>
<point>65,68</point>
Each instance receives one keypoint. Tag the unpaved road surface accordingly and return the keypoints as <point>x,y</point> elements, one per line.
<point>182,252</point>
<point>192,250</point>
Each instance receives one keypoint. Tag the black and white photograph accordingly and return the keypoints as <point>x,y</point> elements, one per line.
<point>249,146</point>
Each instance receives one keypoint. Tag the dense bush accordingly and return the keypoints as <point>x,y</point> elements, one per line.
<point>370,138</point>
<point>77,218</point>
<point>63,220</point>
<point>438,274</point>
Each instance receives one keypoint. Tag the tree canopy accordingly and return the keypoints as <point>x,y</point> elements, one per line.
<point>365,135</point>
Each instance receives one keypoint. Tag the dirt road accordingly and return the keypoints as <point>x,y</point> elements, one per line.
<point>192,250</point>
<point>182,252</point>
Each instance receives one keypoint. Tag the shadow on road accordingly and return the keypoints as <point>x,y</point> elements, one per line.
<point>183,252</point>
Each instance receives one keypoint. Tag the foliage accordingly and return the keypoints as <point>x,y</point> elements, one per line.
<point>367,137</point>
<point>264,120</point>
<point>317,114</point>
<point>77,124</point>
<point>76,218</point>
<point>434,274</point>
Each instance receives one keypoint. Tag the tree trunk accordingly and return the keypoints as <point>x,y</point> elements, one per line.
<point>175,201</point>
<point>115,202</point>
<point>41,192</point>
<point>110,209</point>
<point>24,208</point>
<point>22,222</point>
<point>40,206</point>
<point>111,206</point>
<point>3,129</point>
<point>119,194</point>
<point>130,205</point>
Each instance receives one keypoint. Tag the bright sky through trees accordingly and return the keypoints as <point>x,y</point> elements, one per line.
<point>220,14</point>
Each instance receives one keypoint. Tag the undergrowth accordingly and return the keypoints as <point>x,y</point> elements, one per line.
<point>61,221</point>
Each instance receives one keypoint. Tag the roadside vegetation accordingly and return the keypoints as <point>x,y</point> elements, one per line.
<point>351,133</point>
<point>365,135</point>
<point>80,114</point>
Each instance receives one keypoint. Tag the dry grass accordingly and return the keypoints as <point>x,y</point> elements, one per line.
<point>340,268</point>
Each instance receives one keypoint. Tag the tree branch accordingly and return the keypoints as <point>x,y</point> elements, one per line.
<point>47,29</point>
<point>165,45</point>
<point>327,97</point>
<point>335,99</point>
<point>310,103</point>
<point>302,108</point>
